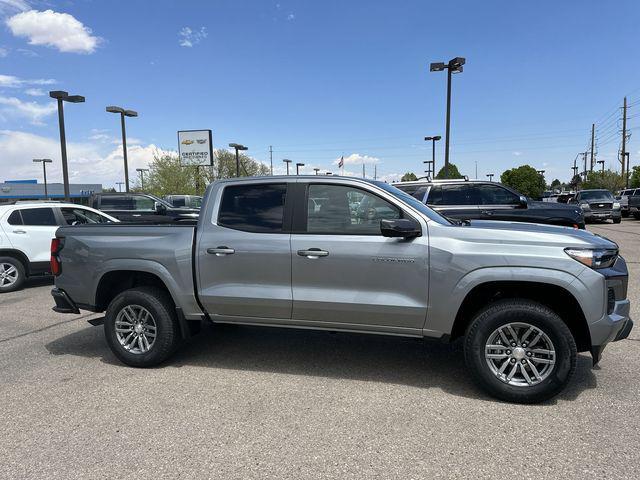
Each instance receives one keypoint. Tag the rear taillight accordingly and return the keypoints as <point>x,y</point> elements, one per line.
<point>56,266</point>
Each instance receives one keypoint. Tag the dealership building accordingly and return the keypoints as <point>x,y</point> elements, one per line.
<point>12,190</point>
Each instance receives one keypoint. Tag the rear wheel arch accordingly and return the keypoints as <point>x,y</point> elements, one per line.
<point>18,255</point>
<point>555,297</point>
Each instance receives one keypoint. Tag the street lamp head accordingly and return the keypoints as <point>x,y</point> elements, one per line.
<point>437,67</point>
<point>59,94</point>
<point>457,62</point>
<point>437,137</point>
<point>114,109</point>
<point>74,99</point>
<point>238,146</point>
<point>299,164</point>
<point>130,113</point>
<point>43,160</point>
<point>286,160</point>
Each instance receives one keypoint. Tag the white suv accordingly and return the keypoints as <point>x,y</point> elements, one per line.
<point>26,230</point>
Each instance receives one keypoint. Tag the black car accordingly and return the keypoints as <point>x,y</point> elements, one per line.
<point>481,200</point>
<point>142,208</point>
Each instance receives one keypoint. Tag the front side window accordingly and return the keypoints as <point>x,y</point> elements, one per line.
<point>253,208</point>
<point>496,195</point>
<point>341,210</point>
<point>38,217</point>
<point>80,216</point>
<point>143,203</point>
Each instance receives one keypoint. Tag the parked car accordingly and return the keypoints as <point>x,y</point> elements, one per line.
<point>623,198</point>
<point>598,205</point>
<point>26,230</point>
<point>634,205</point>
<point>142,208</point>
<point>475,199</point>
<point>189,201</point>
<point>526,298</point>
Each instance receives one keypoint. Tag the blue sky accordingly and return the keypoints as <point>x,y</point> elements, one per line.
<point>318,80</point>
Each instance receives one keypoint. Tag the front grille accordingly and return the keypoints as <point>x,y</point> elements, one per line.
<point>611,300</point>
<point>601,206</point>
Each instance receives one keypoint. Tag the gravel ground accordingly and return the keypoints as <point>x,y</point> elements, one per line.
<point>240,402</point>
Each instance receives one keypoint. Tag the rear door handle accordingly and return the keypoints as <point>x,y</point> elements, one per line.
<point>313,253</point>
<point>19,231</point>
<point>487,212</point>
<point>221,251</point>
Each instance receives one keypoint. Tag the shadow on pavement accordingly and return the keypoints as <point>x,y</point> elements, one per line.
<point>395,360</point>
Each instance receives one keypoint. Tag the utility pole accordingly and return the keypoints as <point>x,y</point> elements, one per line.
<point>271,158</point>
<point>624,136</point>
<point>593,141</point>
<point>626,178</point>
<point>584,157</point>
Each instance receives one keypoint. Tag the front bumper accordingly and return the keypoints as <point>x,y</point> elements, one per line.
<point>64,304</point>
<point>601,214</point>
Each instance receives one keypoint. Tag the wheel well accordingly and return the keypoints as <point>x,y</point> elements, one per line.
<point>556,298</point>
<point>116,282</point>
<point>21,257</point>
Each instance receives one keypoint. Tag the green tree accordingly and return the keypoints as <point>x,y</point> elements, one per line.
<point>556,185</point>
<point>409,177</point>
<point>575,182</point>
<point>525,179</point>
<point>634,181</point>
<point>608,179</point>
<point>453,172</point>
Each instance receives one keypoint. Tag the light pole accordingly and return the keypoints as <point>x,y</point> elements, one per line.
<point>287,161</point>
<point>626,180</point>
<point>44,171</point>
<point>454,66</point>
<point>316,170</point>
<point>490,175</point>
<point>120,186</point>
<point>601,162</point>
<point>298,165</point>
<point>124,113</point>
<point>433,152</point>
<point>141,172</point>
<point>238,147</point>
<point>62,96</point>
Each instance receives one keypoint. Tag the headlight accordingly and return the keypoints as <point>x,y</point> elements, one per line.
<point>616,204</point>
<point>584,206</point>
<point>594,257</point>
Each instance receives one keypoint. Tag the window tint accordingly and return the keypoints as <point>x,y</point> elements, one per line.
<point>496,195</point>
<point>253,208</point>
<point>38,216</point>
<point>15,218</point>
<point>116,202</point>
<point>454,194</point>
<point>346,211</point>
<point>178,201</point>
<point>141,202</point>
<point>80,216</point>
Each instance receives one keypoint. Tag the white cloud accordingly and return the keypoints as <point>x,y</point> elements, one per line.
<point>10,81</point>
<point>517,154</point>
<point>33,111</point>
<point>88,162</point>
<point>188,37</point>
<point>53,29</point>
<point>4,52</point>
<point>357,159</point>
<point>101,137</point>
<point>35,92</point>
<point>26,52</point>
<point>12,6</point>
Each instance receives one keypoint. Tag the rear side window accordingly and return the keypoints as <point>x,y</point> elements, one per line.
<point>116,202</point>
<point>455,194</point>
<point>253,208</point>
<point>38,217</point>
<point>15,218</point>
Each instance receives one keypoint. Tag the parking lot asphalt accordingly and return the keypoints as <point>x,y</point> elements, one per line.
<point>241,402</point>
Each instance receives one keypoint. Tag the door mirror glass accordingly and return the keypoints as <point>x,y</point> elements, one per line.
<point>523,202</point>
<point>401,227</point>
<point>159,208</point>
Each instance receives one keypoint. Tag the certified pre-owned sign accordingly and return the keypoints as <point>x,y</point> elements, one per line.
<point>195,147</point>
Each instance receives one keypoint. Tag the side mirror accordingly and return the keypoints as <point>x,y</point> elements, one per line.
<point>523,202</point>
<point>401,227</point>
<point>160,208</point>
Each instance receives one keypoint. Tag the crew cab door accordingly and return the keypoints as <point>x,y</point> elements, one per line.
<point>30,230</point>
<point>244,252</point>
<point>499,203</point>
<point>345,273</point>
<point>455,200</point>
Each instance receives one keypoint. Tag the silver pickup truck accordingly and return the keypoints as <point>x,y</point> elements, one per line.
<point>352,255</point>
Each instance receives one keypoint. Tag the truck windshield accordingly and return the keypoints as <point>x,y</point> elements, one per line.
<point>596,195</point>
<point>415,203</point>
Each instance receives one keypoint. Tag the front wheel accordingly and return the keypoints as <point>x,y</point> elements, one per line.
<point>617,220</point>
<point>141,328</point>
<point>12,274</point>
<point>520,351</point>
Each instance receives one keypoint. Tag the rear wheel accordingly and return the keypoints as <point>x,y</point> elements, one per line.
<point>520,351</point>
<point>141,327</point>
<point>617,220</point>
<point>12,274</point>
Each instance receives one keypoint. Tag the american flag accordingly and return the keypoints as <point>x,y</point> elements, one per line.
<point>341,162</point>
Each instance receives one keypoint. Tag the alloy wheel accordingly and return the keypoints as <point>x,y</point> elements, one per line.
<point>8,274</point>
<point>136,329</point>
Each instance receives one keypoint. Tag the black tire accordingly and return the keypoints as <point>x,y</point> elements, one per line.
<point>21,274</point>
<point>158,303</point>
<point>617,220</point>
<point>525,311</point>
<point>625,214</point>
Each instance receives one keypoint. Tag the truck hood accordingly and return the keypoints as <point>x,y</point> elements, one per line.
<point>535,233</point>
<point>554,206</point>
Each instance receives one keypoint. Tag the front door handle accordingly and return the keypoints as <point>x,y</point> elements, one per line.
<point>487,212</point>
<point>19,231</point>
<point>221,251</point>
<point>313,253</point>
